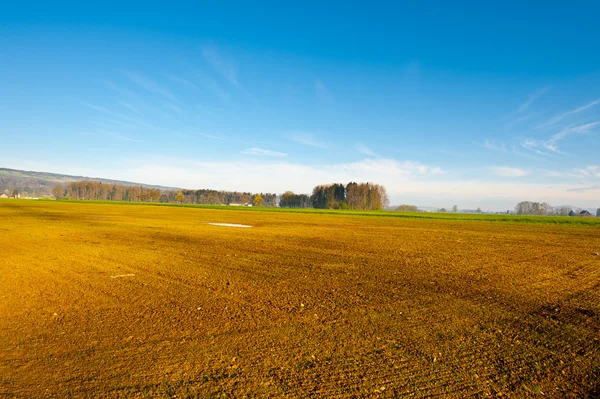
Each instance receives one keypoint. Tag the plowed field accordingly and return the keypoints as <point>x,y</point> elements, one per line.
<point>102,300</point>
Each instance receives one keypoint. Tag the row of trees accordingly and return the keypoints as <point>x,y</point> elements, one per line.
<point>291,200</point>
<point>533,208</point>
<point>215,197</point>
<point>545,209</point>
<point>93,190</point>
<point>363,196</point>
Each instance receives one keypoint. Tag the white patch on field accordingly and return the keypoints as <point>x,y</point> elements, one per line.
<point>123,275</point>
<point>230,225</point>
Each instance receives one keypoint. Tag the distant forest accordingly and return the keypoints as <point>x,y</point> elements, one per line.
<point>92,190</point>
<point>364,196</point>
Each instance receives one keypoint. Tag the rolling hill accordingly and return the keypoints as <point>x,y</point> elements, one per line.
<point>41,183</point>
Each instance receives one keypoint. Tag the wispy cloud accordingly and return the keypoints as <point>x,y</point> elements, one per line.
<point>532,98</point>
<point>564,115</point>
<point>97,108</point>
<point>590,171</point>
<point>323,93</point>
<point>383,166</point>
<point>506,171</point>
<point>118,115</point>
<point>175,109</point>
<point>180,80</point>
<point>211,85</point>
<point>521,119</point>
<point>130,107</point>
<point>213,136</point>
<point>308,139</point>
<point>500,146</point>
<point>222,65</point>
<point>119,136</point>
<point>583,189</point>
<point>546,147</point>
<point>494,146</point>
<point>223,138</point>
<point>150,85</point>
<point>122,91</point>
<point>535,146</point>
<point>263,152</point>
<point>363,149</point>
<point>564,133</point>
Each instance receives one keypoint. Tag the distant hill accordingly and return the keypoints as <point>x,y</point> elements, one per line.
<point>41,183</point>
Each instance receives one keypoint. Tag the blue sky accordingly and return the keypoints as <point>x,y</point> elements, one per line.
<point>445,103</point>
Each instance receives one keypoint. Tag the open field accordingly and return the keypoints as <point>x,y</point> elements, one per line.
<point>110,300</point>
<point>572,221</point>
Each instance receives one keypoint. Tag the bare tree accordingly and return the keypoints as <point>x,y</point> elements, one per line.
<point>58,191</point>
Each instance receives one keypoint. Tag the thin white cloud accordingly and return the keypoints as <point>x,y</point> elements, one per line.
<point>308,139</point>
<point>585,174</point>
<point>119,136</point>
<point>130,107</point>
<point>118,115</point>
<point>387,167</point>
<point>590,171</point>
<point>584,189</point>
<point>506,171</point>
<point>175,109</point>
<point>263,152</point>
<point>323,93</point>
<point>534,146</point>
<point>222,65</point>
<point>222,138</point>
<point>543,146</point>
<point>494,146</point>
<point>521,119</point>
<point>213,136</point>
<point>532,98</point>
<point>150,85</point>
<point>122,91</point>
<point>125,138</point>
<point>180,80</point>
<point>564,115</point>
<point>211,85</point>
<point>581,129</point>
<point>363,149</point>
<point>97,108</point>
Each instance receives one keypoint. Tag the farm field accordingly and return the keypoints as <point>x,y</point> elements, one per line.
<point>111,300</point>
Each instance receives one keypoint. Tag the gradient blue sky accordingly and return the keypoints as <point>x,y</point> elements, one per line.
<point>468,103</point>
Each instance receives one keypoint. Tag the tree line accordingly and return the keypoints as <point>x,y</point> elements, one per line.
<point>363,196</point>
<point>93,190</point>
<point>216,197</point>
<point>291,200</point>
<point>545,209</point>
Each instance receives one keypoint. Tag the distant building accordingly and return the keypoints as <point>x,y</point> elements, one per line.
<point>3,195</point>
<point>234,204</point>
<point>584,213</point>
